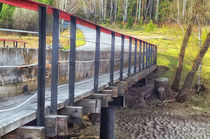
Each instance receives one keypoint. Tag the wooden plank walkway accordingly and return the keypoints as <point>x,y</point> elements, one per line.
<point>13,119</point>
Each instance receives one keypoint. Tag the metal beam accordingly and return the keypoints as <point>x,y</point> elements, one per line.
<point>129,56</point>
<point>140,54</point>
<point>143,55</point>
<point>135,56</point>
<point>41,67</point>
<point>97,58</point>
<point>112,60</point>
<point>55,53</point>
<point>122,57</point>
<point>72,60</point>
<point>107,123</point>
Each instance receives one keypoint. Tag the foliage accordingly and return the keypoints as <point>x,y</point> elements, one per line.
<point>150,26</point>
<point>6,16</point>
<point>129,24</point>
<point>164,12</point>
<point>48,2</point>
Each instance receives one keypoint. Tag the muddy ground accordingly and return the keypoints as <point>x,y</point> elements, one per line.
<point>147,118</point>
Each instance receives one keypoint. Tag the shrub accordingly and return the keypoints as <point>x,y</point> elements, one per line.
<point>129,23</point>
<point>150,26</point>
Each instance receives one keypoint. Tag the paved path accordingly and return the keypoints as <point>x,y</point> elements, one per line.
<point>90,37</point>
<point>10,120</point>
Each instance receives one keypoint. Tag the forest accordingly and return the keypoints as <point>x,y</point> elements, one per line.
<point>124,13</point>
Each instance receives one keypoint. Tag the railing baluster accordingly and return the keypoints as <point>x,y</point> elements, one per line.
<point>129,56</point>
<point>152,54</point>
<point>135,57</point>
<point>122,57</point>
<point>41,67</point>
<point>112,59</point>
<point>140,50</point>
<point>4,44</point>
<point>55,53</point>
<point>146,55</point>
<point>155,54</point>
<point>143,55</point>
<point>149,64</point>
<point>97,58</point>
<point>72,60</point>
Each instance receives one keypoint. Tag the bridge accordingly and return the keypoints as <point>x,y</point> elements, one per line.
<point>47,110</point>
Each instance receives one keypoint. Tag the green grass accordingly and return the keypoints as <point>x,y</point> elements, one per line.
<point>79,42</point>
<point>169,40</point>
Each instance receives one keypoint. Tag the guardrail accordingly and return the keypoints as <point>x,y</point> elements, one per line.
<point>14,43</point>
<point>147,52</point>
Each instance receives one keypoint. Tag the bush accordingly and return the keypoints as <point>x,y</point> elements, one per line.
<point>150,26</point>
<point>129,23</point>
<point>6,16</point>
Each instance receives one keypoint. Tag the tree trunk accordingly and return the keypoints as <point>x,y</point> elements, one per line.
<point>95,11</point>
<point>125,10</point>
<point>137,5</point>
<point>111,12</point>
<point>176,82</point>
<point>178,10</point>
<point>105,10</point>
<point>148,8</point>
<point>157,11</point>
<point>184,7</point>
<point>175,85</point>
<point>115,11</point>
<point>139,15</point>
<point>189,79</point>
<point>102,10</point>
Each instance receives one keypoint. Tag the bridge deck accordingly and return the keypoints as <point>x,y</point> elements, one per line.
<point>13,119</point>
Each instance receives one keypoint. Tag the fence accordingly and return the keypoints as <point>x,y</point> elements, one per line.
<point>144,58</point>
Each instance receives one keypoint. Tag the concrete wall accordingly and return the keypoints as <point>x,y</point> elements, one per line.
<point>18,68</point>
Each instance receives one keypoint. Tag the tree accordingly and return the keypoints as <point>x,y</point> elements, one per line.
<point>178,10</point>
<point>177,78</point>
<point>184,7</point>
<point>189,79</point>
<point>115,11</point>
<point>125,12</point>
<point>157,11</point>
<point>139,14</point>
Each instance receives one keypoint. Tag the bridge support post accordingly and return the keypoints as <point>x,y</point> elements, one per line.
<point>122,57</point>
<point>72,60</point>
<point>129,56</point>
<point>97,58</point>
<point>112,59</point>
<point>107,123</point>
<point>140,54</point>
<point>54,80</point>
<point>135,57</point>
<point>143,55</point>
<point>41,67</point>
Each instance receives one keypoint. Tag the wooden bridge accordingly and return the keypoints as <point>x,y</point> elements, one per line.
<point>47,111</point>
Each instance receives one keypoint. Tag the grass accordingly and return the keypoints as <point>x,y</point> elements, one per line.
<point>169,39</point>
<point>32,40</point>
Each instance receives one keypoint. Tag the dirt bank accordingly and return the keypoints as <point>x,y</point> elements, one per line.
<point>145,118</point>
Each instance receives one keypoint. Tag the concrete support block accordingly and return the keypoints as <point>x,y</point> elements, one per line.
<point>75,114</point>
<point>90,105</point>
<point>105,98</point>
<point>56,125</point>
<point>51,125</point>
<point>123,87</point>
<point>62,125</point>
<point>31,132</point>
<point>110,91</point>
<point>129,83</point>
